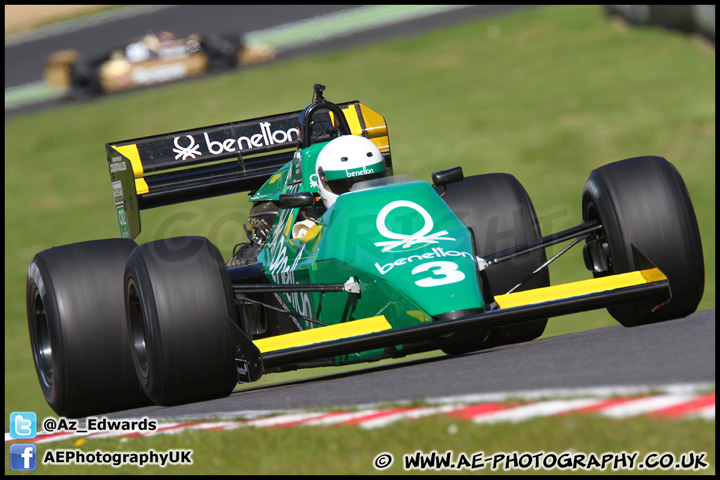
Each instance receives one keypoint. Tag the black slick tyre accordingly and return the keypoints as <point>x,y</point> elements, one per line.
<point>76,319</point>
<point>500,214</point>
<point>648,220</point>
<point>179,301</point>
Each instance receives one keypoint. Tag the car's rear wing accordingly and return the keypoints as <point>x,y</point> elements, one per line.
<point>218,160</point>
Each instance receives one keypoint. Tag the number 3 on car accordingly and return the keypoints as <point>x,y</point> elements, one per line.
<point>447,271</point>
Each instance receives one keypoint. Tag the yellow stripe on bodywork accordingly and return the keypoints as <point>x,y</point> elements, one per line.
<point>374,124</point>
<point>323,334</point>
<point>353,120</point>
<point>141,186</point>
<point>376,128</point>
<point>575,289</point>
<point>312,233</point>
<point>131,153</point>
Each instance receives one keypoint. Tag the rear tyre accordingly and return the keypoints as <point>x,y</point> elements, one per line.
<point>648,220</point>
<point>76,319</point>
<point>179,301</point>
<point>500,214</point>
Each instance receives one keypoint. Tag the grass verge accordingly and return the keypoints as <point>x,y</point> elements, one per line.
<point>350,450</point>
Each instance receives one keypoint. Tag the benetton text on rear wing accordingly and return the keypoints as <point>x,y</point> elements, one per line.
<point>219,159</point>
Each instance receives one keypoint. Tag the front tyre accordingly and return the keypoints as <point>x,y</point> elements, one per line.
<point>76,319</point>
<point>179,301</point>
<point>499,212</point>
<point>648,220</point>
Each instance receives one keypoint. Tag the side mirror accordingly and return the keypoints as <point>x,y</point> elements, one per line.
<point>443,177</point>
<point>296,200</point>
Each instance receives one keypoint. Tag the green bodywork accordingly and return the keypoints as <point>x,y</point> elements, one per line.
<point>412,256</point>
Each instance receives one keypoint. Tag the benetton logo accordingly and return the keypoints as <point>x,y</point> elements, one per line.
<point>407,241</point>
<point>265,138</point>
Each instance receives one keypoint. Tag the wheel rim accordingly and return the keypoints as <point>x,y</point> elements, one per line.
<point>137,329</point>
<point>598,258</point>
<point>42,347</point>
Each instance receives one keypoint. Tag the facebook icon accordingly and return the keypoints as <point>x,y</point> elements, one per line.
<point>23,456</point>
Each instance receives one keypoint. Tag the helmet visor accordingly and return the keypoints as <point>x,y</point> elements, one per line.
<point>343,185</point>
<point>340,181</point>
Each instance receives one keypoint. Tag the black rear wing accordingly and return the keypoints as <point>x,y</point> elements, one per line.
<point>219,160</point>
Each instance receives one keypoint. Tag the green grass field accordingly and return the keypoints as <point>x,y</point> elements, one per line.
<point>546,94</point>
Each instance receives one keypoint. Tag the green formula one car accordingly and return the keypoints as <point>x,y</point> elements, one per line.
<point>345,262</point>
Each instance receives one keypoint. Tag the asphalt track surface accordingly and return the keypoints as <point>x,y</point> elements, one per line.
<point>675,352</point>
<point>25,54</point>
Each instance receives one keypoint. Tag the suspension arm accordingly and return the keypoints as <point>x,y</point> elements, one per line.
<point>581,230</point>
<point>351,286</point>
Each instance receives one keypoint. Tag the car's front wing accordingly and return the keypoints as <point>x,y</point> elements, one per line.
<point>516,308</point>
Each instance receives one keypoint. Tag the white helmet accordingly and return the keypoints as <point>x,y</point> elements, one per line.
<point>345,161</point>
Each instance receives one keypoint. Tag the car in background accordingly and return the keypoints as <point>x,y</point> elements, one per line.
<point>155,58</point>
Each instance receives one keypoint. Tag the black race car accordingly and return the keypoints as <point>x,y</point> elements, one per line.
<point>149,60</point>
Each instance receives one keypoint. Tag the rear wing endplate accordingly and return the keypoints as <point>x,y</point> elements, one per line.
<point>219,159</point>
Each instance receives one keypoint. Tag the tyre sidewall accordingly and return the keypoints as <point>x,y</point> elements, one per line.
<point>80,286</point>
<point>186,300</point>
<point>645,209</point>
<point>499,212</point>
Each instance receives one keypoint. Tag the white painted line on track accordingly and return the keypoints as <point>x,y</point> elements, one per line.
<point>343,23</point>
<point>698,404</point>
<point>341,417</point>
<point>280,420</point>
<point>707,413</point>
<point>74,24</point>
<point>408,414</point>
<point>597,391</point>
<point>643,406</point>
<point>539,409</point>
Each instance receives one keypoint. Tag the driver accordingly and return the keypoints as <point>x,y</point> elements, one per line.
<point>342,163</point>
<point>345,161</point>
